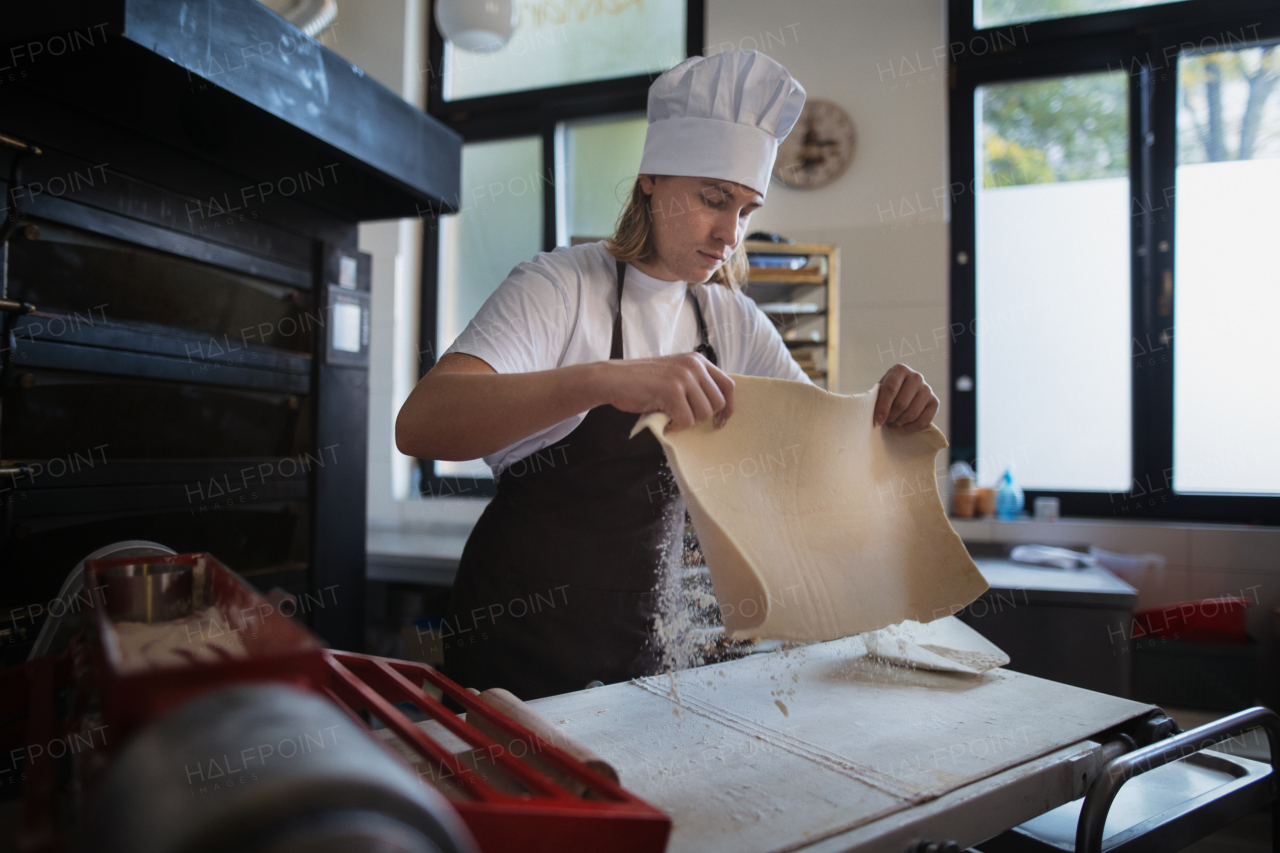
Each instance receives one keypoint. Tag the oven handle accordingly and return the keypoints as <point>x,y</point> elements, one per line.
<point>1093,814</point>
<point>18,145</point>
<point>13,306</point>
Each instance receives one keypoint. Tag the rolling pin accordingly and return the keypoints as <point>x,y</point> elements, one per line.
<point>511,707</point>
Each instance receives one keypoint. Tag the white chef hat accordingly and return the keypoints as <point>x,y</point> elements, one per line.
<point>721,116</point>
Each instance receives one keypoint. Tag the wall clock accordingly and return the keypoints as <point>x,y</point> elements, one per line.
<point>818,150</point>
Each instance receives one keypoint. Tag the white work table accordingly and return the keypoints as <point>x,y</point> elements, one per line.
<point>820,748</point>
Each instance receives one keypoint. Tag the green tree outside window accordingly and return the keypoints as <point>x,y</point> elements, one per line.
<point>1059,129</point>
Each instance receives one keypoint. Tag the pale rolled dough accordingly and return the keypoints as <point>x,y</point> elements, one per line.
<point>816,525</point>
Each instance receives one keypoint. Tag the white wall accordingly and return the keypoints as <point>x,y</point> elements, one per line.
<point>876,60</point>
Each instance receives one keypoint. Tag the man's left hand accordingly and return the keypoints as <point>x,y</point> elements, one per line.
<point>905,400</point>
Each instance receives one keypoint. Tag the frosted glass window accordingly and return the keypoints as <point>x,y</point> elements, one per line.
<point>558,42</point>
<point>1227,274</point>
<point>995,13</point>
<point>1052,330</point>
<point>498,225</point>
<point>599,163</point>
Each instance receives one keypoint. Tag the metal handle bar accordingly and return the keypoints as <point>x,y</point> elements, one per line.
<point>1097,803</point>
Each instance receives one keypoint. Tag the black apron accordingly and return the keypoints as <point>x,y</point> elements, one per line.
<point>558,582</point>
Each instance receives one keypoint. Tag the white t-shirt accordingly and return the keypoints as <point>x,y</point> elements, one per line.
<point>557,310</point>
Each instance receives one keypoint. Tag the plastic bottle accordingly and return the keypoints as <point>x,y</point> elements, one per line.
<point>1009,498</point>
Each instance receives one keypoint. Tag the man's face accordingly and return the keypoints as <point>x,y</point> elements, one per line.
<point>697,223</point>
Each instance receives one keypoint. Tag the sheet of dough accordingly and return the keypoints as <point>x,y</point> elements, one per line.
<point>816,525</point>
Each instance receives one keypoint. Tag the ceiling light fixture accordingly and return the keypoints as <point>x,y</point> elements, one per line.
<point>479,25</point>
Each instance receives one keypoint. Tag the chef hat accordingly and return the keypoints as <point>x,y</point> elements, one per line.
<point>721,117</point>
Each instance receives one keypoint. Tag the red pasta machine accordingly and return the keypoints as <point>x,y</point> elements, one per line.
<point>192,714</point>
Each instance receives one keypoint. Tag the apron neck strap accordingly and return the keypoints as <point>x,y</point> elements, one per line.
<point>615,348</point>
<point>705,348</point>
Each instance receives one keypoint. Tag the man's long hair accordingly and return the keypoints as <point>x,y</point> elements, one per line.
<point>632,240</point>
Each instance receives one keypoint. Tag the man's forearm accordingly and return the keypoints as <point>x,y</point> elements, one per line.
<point>463,415</point>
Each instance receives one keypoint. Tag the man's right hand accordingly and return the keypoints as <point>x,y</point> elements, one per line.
<point>686,387</point>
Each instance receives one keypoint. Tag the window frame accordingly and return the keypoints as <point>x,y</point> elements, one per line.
<point>532,112</point>
<point>1135,41</point>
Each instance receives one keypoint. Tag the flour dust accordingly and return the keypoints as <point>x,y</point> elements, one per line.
<point>688,630</point>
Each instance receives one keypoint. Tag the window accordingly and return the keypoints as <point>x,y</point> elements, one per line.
<point>598,159</point>
<point>499,225</point>
<point>1115,276</point>
<point>560,42</point>
<point>1053,282</point>
<point>553,131</point>
<point>998,13</point>
<point>1227,269</point>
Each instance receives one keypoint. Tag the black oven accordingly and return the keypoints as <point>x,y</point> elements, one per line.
<point>185,311</point>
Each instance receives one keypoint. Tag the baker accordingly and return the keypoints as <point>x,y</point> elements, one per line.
<point>558,582</point>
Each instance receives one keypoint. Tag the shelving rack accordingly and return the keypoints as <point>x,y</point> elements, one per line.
<point>803,303</point>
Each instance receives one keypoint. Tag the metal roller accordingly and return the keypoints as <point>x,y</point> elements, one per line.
<point>264,769</point>
<point>58,630</point>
